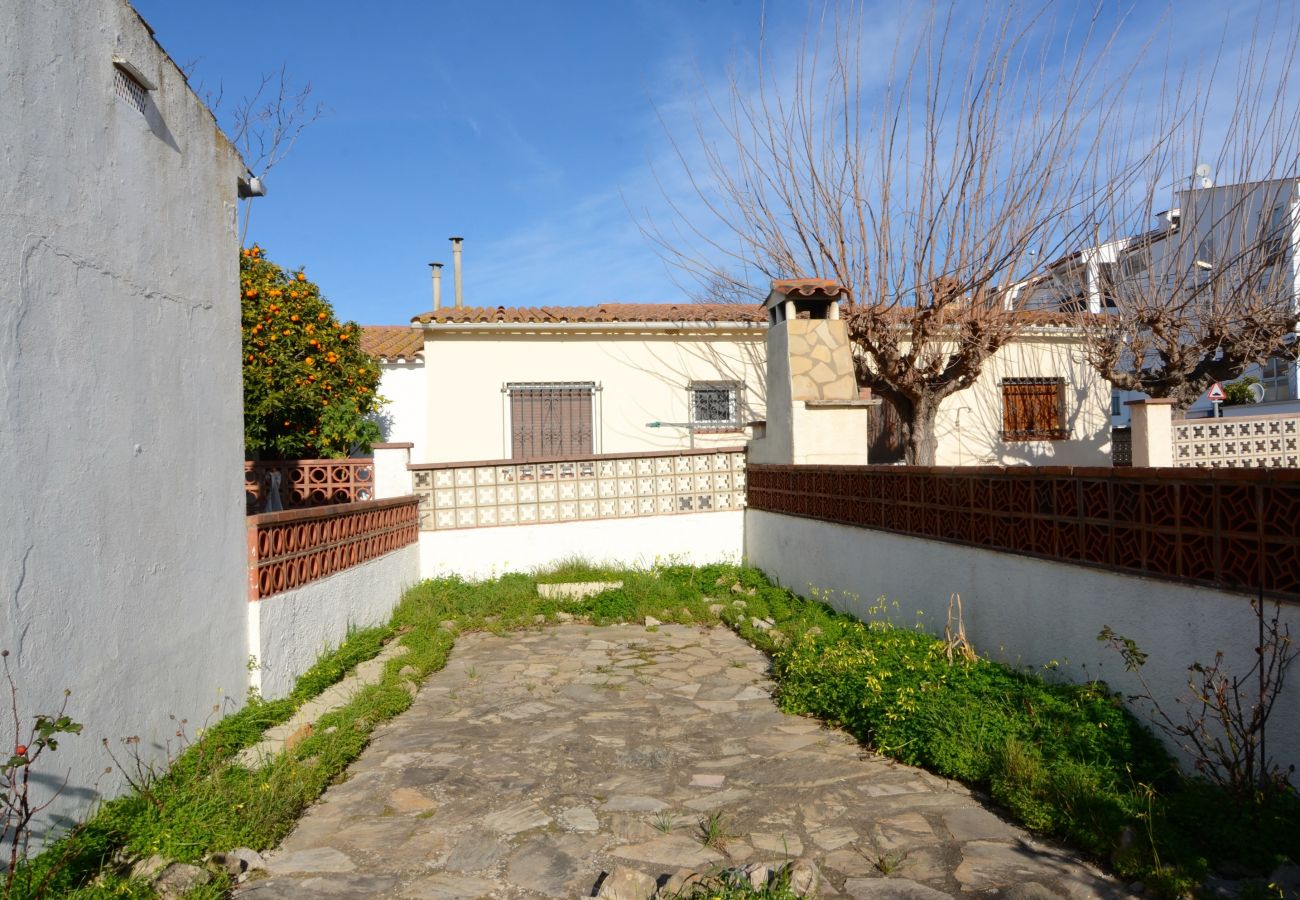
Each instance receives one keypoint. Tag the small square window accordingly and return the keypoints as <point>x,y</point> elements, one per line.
<point>715,404</point>
<point>1033,409</point>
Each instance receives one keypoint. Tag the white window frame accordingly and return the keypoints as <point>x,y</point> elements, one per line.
<point>735,404</point>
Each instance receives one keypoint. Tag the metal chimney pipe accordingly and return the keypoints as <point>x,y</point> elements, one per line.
<point>455,268</point>
<point>437,284</point>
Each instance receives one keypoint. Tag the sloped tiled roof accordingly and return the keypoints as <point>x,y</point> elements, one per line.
<point>392,341</point>
<point>605,312</point>
<point>807,286</point>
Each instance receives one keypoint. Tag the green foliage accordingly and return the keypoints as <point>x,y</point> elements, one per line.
<point>1066,760</point>
<point>1239,391</point>
<point>308,385</point>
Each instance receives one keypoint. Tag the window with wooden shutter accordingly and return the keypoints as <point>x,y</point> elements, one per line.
<point>551,419</point>
<point>1033,409</point>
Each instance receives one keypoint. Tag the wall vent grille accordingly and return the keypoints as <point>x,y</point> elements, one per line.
<point>129,90</point>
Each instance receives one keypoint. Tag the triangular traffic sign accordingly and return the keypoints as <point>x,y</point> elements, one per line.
<point>1216,393</point>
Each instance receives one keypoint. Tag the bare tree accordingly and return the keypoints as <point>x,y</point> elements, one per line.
<point>264,125</point>
<point>1213,289</point>
<point>929,193</point>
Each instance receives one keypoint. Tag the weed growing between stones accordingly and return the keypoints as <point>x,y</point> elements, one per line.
<point>713,830</point>
<point>1066,760</point>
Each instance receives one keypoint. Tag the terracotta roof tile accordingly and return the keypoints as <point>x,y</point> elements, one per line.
<point>605,312</point>
<point>807,286</point>
<point>392,341</point>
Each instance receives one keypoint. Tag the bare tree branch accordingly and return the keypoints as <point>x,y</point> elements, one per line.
<point>977,156</point>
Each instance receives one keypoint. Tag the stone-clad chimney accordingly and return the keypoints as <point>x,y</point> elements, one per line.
<point>814,414</point>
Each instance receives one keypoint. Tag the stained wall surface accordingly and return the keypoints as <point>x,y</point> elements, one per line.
<point>122,562</point>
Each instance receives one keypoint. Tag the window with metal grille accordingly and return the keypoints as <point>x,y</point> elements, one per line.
<point>551,419</point>
<point>129,89</point>
<point>715,404</point>
<point>1033,409</point>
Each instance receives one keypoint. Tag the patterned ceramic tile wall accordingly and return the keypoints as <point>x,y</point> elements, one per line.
<point>291,548</point>
<point>1235,443</point>
<point>309,482</point>
<point>605,487</point>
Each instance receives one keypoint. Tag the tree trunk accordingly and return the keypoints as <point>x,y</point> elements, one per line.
<point>919,437</point>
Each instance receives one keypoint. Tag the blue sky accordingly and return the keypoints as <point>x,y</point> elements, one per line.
<point>525,127</point>
<point>533,129</point>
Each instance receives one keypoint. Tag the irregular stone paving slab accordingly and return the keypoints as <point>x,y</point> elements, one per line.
<point>538,761</point>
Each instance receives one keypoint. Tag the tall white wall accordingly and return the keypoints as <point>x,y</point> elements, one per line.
<point>1023,611</point>
<point>639,542</point>
<point>122,560</point>
<point>643,377</point>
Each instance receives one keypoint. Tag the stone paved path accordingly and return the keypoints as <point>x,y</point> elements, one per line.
<point>536,762</point>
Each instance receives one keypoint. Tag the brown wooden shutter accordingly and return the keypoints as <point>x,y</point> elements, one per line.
<point>1033,409</point>
<point>551,419</point>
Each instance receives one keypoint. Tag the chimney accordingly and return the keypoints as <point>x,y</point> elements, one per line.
<point>437,284</point>
<point>455,268</point>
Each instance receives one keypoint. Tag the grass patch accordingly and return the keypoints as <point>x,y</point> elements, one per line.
<point>576,568</point>
<point>1065,760</point>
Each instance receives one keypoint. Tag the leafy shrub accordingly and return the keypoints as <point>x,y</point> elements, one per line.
<point>308,385</point>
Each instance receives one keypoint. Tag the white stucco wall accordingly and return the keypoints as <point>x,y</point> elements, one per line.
<point>640,542</point>
<point>122,559</point>
<point>1022,611</point>
<point>403,384</point>
<point>288,632</point>
<point>969,425</point>
<point>643,377</point>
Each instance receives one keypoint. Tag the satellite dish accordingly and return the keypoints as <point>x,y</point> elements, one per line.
<point>1256,393</point>
<point>1203,178</point>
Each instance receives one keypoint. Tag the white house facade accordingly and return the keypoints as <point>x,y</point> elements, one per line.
<point>538,382</point>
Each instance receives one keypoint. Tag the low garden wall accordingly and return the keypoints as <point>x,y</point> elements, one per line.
<point>915,536</point>
<point>316,573</point>
<point>640,542</point>
<point>481,519</point>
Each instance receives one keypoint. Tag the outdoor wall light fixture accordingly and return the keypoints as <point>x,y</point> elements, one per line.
<point>251,186</point>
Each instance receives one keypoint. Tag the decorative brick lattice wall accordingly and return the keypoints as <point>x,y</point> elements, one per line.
<point>1236,442</point>
<point>309,482</point>
<point>1234,529</point>
<point>291,548</point>
<point>610,486</point>
<point>1121,447</point>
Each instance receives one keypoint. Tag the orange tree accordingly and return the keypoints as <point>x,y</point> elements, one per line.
<point>309,388</point>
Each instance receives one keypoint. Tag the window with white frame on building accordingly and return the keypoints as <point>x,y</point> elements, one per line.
<point>1277,376</point>
<point>715,404</point>
<point>1033,409</point>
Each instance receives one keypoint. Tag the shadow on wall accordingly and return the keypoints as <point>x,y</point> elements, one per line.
<point>748,366</point>
<point>971,422</point>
